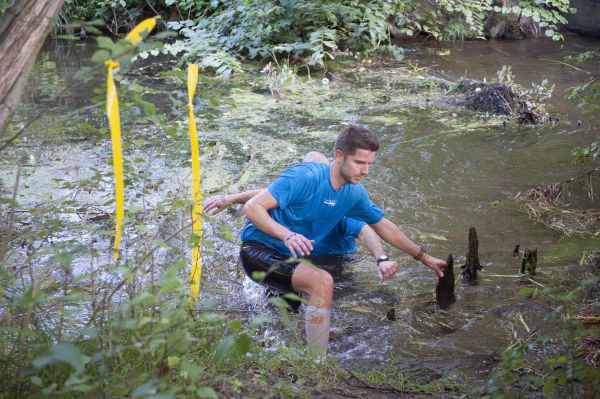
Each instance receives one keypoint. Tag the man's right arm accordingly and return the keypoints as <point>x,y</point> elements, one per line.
<point>220,202</point>
<point>387,269</point>
<point>257,211</point>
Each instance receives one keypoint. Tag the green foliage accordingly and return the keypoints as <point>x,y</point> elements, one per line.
<point>561,372</point>
<point>547,15</point>
<point>587,96</point>
<point>587,93</point>
<point>450,19</point>
<point>5,5</point>
<point>586,153</point>
<point>221,34</point>
<point>117,16</point>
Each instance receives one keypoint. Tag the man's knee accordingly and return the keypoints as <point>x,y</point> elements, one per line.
<point>326,280</point>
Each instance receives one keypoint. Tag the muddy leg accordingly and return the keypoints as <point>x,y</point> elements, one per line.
<point>318,285</point>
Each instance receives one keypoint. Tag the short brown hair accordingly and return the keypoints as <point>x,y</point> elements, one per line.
<point>353,137</point>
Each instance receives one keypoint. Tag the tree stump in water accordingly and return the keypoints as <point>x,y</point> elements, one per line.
<point>444,290</point>
<point>472,265</point>
<point>529,262</point>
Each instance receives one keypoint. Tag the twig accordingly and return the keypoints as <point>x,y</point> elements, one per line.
<point>522,321</point>
<point>564,63</point>
<point>535,282</point>
<point>11,220</point>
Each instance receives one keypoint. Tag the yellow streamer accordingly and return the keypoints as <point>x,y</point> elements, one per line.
<point>114,121</point>
<point>196,272</point>
<point>134,37</point>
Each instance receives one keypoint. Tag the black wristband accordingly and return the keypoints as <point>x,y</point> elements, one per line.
<point>382,258</point>
<point>420,254</point>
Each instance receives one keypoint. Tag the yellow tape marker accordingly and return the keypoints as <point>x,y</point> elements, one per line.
<point>134,37</point>
<point>196,272</point>
<point>114,121</point>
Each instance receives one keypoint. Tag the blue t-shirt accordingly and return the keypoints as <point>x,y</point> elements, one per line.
<point>340,240</point>
<point>309,205</point>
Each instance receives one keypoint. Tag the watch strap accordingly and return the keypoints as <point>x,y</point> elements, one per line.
<point>420,254</point>
<point>382,258</point>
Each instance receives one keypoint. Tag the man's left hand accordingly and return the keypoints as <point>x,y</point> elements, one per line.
<point>387,269</point>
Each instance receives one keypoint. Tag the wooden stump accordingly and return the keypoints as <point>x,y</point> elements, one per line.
<point>444,291</point>
<point>472,265</point>
<point>529,262</point>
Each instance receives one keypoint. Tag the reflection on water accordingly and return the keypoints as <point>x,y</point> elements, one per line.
<point>439,172</point>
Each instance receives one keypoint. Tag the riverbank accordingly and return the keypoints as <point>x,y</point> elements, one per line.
<point>440,170</point>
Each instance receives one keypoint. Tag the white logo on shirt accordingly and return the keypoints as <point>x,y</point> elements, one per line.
<point>330,202</point>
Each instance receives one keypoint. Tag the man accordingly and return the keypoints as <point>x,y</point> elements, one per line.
<point>339,241</point>
<point>301,207</point>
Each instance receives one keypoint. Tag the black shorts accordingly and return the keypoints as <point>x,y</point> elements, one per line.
<point>257,257</point>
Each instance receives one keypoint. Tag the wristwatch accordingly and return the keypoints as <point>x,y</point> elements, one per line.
<point>420,254</point>
<point>382,258</point>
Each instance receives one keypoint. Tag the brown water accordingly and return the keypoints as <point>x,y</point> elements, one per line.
<point>440,171</point>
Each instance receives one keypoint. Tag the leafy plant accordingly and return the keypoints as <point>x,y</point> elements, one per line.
<point>564,371</point>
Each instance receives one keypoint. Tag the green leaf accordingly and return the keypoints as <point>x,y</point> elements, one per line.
<point>26,299</point>
<point>224,347</point>
<point>233,347</point>
<point>282,306</point>
<point>64,353</point>
<point>93,30</point>
<point>257,320</point>
<point>528,292</point>
<point>259,276</point>
<point>206,393</point>
<point>173,361</point>
<point>211,317</point>
<point>169,281</point>
<point>101,56</point>
<point>191,369</point>
<point>105,42</point>
<point>235,325</point>
<point>549,386</point>
<point>495,204</point>
<point>64,259</point>
<point>35,380</point>
<point>295,297</point>
<point>145,390</point>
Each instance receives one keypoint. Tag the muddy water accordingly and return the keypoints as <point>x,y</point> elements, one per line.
<point>440,171</point>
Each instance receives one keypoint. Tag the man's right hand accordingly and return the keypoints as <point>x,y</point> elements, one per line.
<point>217,202</point>
<point>387,269</point>
<point>298,244</point>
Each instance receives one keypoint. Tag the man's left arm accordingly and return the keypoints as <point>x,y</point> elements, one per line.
<point>392,234</point>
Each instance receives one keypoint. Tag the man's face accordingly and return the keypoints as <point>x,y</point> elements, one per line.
<point>356,166</point>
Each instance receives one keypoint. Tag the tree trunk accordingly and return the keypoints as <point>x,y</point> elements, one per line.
<point>23,29</point>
